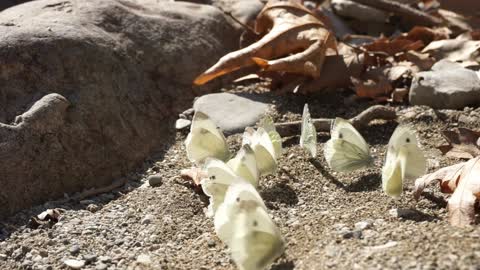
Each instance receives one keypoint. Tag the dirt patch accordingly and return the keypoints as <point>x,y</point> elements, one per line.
<point>315,208</point>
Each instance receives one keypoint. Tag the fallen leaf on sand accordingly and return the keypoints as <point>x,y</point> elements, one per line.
<point>372,89</point>
<point>463,180</point>
<point>463,143</point>
<point>195,174</point>
<point>294,41</point>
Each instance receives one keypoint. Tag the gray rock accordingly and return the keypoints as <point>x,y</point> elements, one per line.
<point>144,259</point>
<point>74,249</point>
<point>91,88</point>
<point>147,219</point>
<point>90,258</point>
<point>246,11</point>
<point>182,123</point>
<point>101,266</point>
<point>447,86</point>
<point>362,225</point>
<point>232,113</point>
<point>155,180</point>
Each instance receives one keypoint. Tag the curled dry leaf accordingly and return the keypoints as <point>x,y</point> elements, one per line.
<point>459,49</point>
<point>463,143</point>
<point>379,90</point>
<point>463,180</point>
<point>294,41</point>
<point>194,174</point>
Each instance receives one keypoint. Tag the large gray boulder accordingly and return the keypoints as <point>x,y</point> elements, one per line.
<point>88,89</point>
<point>447,86</point>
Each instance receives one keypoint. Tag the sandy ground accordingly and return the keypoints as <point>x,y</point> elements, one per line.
<point>165,227</point>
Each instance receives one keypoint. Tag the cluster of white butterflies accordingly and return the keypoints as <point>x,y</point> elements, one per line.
<point>347,151</point>
<point>240,215</point>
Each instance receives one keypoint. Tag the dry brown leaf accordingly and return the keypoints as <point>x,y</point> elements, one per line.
<point>463,180</point>
<point>421,60</point>
<point>464,143</point>
<point>294,41</point>
<point>194,174</point>
<point>399,95</point>
<point>459,49</point>
<point>426,34</point>
<point>393,47</point>
<point>378,90</point>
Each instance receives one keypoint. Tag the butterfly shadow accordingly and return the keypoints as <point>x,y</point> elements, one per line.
<point>415,215</point>
<point>280,192</point>
<point>316,163</point>
<point>369,182</point>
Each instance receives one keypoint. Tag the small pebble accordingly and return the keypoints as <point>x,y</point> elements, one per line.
<point>93,208</point>
<point>90,258</point>
<point>144,259</point>
<point>182,123</point>
<point>155,180</point>
<point>362,225</point>
<point>74,250</point>
<point>74,264</point>
<point>101,266</point>
<point>147,219</point>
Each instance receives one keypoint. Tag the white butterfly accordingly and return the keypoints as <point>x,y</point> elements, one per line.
<point>308,137</point>
<point>346,150</point>
<point>243,223</point>
<point>205,140</point>
<point>404,160</point>
<point>266,144</point>
<point>242,167</point>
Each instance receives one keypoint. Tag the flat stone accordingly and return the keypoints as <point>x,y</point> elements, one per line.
<point>232,113</point>
<point>144,259</point>
<point>447,86</point>
<point>74,264</point>
<point>182,123</point>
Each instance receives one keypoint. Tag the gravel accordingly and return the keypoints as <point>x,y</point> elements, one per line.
<point>329,220</point>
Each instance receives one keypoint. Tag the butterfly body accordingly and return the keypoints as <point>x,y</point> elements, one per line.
<point>243,223</point>
<point>308,137</point>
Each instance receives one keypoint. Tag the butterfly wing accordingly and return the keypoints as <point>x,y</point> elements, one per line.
<point>404,139</point>
<point>346,150</point>
<point>237,192</point>
<point>220,177</point>
<point>264,149</point>
<point>243,223</point>
<point>269,126</point>
<point>308,137</point>
<point>392,175</point>
<point>245,165</point>
<point>205,140</point>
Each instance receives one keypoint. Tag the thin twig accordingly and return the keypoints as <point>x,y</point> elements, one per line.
<point>247,28</point>
<point>324,124</point>
<point>100,190</point>
<point>414,16</point>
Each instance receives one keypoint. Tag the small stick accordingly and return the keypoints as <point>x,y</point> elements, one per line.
<point>413,15</point>
<point>100,190</point>
<point>248,28</point>
<point>324,124</point>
